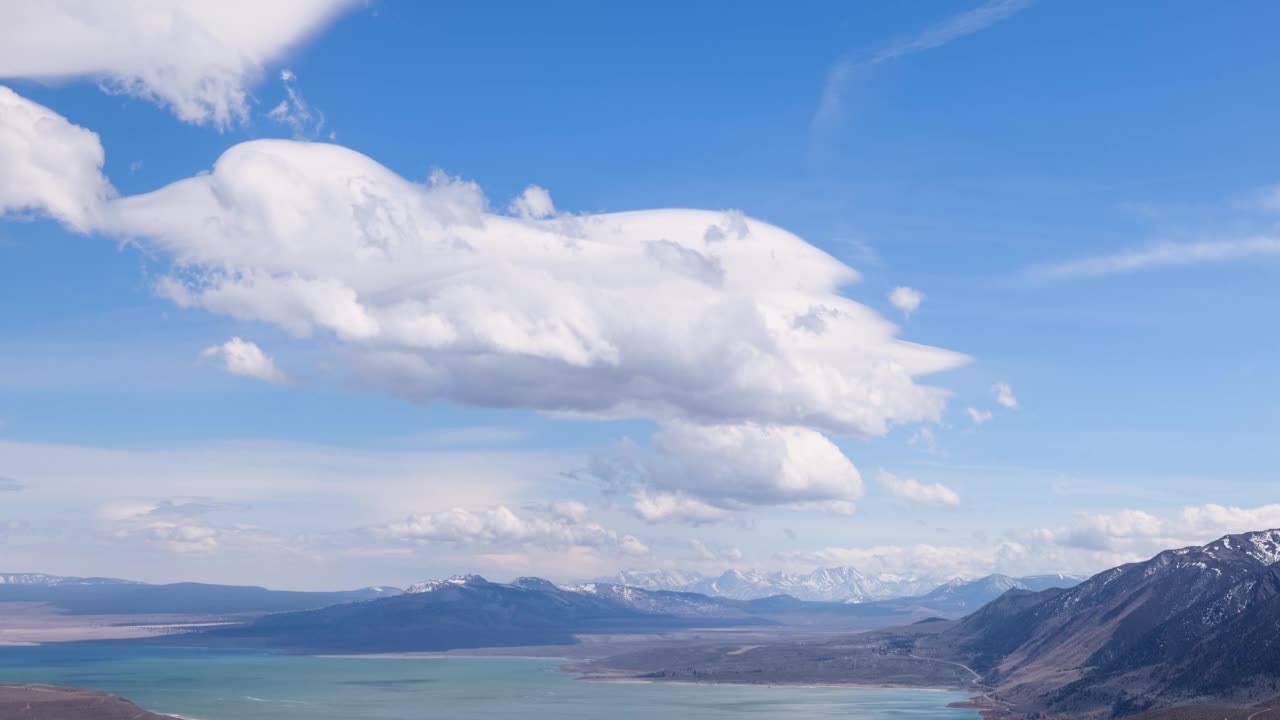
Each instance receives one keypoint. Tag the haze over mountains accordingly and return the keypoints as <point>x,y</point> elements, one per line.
<point>43,580</point>
<point>814,591</point>
<point>836,584</point>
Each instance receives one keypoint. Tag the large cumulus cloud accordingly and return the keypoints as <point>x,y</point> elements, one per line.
<point>731,333</point>
<point>620,315</point>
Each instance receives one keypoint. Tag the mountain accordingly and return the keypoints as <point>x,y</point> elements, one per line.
<point>836,584</point>
<point>1197,627</point>
<point>655,579</point>
<point>101,596</point>
<point>960,596</point>
<point>1186,625</point>
<point>1036,583</point>
<point>42,580</point>
<point>468,611</point>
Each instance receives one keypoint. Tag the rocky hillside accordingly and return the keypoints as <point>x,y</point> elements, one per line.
<point>1188,624</point>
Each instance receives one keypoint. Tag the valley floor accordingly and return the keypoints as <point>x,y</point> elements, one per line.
<point>28,623</point>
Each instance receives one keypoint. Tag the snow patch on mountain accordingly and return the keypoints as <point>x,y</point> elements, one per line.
<point>835,584</point>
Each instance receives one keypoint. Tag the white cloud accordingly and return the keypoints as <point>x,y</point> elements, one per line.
<point>242,357</point>
<point>916,491</point>
<point>741,346</point>
<point>1090,543</point>
<point>197,58</point>
<point>619,315</point>
<point>698,473</point>
<point>8,484</point>
<point>704,552</point>
<point>1004,395</point>
<point>950,29</point>
<point>502,526</point>
<point>294,111</point>
<point>50,166</point>
<point>533,204</point>
<point>936,35</point>
<point>175,524</point>
<point>1138,533</point>
<point>657,507</point>
<point>978,416</point>
<point>906,299</point>
<point>1162,256</point>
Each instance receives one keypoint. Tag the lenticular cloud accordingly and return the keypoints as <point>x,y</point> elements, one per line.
<point>622,314</point>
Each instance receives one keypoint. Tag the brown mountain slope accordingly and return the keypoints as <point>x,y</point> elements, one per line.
<point>1189,624</point>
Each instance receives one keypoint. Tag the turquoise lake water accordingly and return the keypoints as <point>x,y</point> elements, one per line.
<point>254,686</point>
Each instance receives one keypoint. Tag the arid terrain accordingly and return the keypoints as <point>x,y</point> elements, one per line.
<point>45,702</point>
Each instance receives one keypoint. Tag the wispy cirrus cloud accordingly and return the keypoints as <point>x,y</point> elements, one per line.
<point>831,107</point>
<point>1163,255</point>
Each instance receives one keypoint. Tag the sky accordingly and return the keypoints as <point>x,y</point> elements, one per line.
<point>322,293</point>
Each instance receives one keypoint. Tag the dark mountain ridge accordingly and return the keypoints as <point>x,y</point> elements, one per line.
<point>471,612</point>
<point>1188,624</point>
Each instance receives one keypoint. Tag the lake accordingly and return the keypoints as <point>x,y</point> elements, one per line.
<point>221,685</point>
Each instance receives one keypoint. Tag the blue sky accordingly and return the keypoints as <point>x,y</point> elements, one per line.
<point>1084,193</point>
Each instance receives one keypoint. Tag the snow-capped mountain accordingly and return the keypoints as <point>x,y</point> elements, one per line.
<point>432,585</point>
<point>836,584</point>
<point>839,584</point>
<point>1192,623</point>
<point>43,580</point>
<point>962,596</point>
<point>655,579</point>
<point>592,594</point>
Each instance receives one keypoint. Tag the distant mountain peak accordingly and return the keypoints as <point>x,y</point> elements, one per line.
<point>837,584</point>
<point>44,580</point>
<point>452,581</point>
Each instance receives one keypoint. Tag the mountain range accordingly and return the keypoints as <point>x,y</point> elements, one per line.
<point>109,596</point>
<point>43,580</point>
<point>835,584</point>
<point>1196,626</point>
<point>468,611</point>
